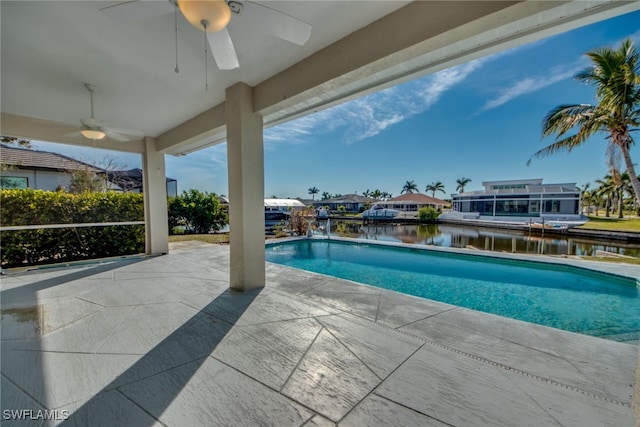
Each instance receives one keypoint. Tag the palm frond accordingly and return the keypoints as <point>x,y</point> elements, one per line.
<point>566,144</point>
<point>563,118</point>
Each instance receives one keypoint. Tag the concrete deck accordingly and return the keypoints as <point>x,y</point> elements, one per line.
<point>163,342</point>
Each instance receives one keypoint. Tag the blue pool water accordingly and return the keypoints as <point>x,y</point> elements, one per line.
<point>562,297</point>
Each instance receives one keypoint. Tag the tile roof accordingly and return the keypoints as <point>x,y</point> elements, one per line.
<point>418,198</point>
<point>348,198</point>
<point>34,159</point>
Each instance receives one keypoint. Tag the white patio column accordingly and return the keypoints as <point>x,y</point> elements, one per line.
<point>155,199</point>
<point>245,154</point>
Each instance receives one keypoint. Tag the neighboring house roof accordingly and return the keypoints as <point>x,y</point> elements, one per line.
<point>131,178</point>
<point>348,198</point>
<point>417,198</point>
<point>306,202</point>
<point>23,158</point>
<point>283,202</point>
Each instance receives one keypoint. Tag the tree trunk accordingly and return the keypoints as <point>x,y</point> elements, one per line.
<point>620,204</point>
<point>635,183</point>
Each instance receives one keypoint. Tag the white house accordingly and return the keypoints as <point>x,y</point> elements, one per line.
<point>412,202</point>
<point>518,201</point>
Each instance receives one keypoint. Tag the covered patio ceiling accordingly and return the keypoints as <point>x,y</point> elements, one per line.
<point>51,48</point>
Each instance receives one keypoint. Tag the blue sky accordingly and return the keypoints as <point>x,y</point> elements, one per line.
<point>480,120</point>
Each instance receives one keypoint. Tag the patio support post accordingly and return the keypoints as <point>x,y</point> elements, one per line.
<point>245,154</point>
<point>154,184</point>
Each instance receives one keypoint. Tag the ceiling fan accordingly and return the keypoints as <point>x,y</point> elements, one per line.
<point>94,129</point>
<point>213,16</point>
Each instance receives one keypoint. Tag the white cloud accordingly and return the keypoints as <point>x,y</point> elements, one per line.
<point>531,84</point>
<point>370,115</point>
<point>299,130</point>
<point>441,82</point>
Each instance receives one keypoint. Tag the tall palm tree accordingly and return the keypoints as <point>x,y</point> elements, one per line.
<point>435,186</point>
<point>616,76</point>
<point>462,182</point>
<point>313,191</point>
<point>409,187</point>
<point>376,194</point>
<point>326,195</point>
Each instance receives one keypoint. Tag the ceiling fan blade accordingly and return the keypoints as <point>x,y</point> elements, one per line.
<point>277,23</point>
<point>118,137</point>
<point>223,51</point>
<point>139,10</point>
<point>124,135</point>
<point>75,134</point>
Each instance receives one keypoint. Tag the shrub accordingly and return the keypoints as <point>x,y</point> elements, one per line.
<point>40,246</point>
<point>427,215</point>
<point>197,212</point>
<point>297,222</point>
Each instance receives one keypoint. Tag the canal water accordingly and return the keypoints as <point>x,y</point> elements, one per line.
<point>482,238</point>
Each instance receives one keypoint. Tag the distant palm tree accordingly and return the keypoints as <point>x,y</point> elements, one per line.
<point>366,193</point>
<point>376,194</point>
<point>326,195</point>
<point>462,182</point>
<point>615,73</point>
<point>409,187</point>
<point>435,186</point>
<point>385,195</point>
<point>606,190</point>
<point>584,192</point>
<point>313,191</point>
<point>623,185</point>
<point>588,197</point>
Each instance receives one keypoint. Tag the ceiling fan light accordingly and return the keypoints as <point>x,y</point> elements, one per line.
<point>93,134</point>
<point>215,12</point>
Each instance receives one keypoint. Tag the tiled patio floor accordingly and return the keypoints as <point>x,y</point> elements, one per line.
<point>163,342</point>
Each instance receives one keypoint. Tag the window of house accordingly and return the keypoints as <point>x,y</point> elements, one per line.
<point>552,206</point>
<point>14,183</point>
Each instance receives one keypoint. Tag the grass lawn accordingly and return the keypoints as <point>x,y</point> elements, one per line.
<point>634,261</point>
<point>208,238</point>
<point>612,224</point>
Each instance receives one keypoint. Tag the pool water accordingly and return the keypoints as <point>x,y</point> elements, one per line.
<point>559,296</point>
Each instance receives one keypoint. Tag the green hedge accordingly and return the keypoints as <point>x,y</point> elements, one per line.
<point>196,212</point>
<point>41,246</point>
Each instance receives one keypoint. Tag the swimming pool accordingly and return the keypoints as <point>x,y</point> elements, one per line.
<point>560,296</point>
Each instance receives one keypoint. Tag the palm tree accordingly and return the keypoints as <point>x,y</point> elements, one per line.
<point>409,187</point>
<point>606,190</point>
<point>623,185</point>
<point>616,76</point>
<point>588,197</point>
<point>376,194</point>
<point>584,194</point>
<point>326,195</point>
<point>462,182</point>
<point>435,186</point>
<point>313,191</point>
